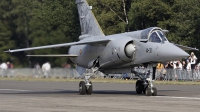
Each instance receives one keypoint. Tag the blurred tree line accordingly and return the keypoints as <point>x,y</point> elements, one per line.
<point>29,23</point>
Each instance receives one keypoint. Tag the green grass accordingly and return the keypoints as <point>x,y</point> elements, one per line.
<point>100,80</point>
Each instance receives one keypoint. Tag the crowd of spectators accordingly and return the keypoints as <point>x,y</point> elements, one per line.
<point>46,69</point>
<point>187,69</point>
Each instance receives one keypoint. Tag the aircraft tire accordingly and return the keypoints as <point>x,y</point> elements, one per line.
<point>89,90</point>
<point>154,91</point>
<point>82,88</point>
<point>139,87</point>
<point>148,91</point>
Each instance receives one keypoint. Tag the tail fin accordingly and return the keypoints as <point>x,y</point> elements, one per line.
<point>88,22</point>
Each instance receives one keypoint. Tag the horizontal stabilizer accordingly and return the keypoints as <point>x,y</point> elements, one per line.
<point>186,47</point>
<point>55,55</point>
<point>99,41</point>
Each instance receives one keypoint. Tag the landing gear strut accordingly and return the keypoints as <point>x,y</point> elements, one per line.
<point>85,87</point>
<point>145,83</point>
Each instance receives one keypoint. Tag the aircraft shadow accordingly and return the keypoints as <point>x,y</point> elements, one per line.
<point>43,92</point>
<point>128,92</point>
<point>95,92</point>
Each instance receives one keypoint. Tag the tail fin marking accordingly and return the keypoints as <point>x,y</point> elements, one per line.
<point>88,22</point>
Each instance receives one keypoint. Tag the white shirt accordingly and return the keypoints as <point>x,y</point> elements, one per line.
<point>180,66</point>
<point>193,60</point>
<point>188,67</point>
<point>3,66</point>
<point>174,64</point>
<point>46,67</point>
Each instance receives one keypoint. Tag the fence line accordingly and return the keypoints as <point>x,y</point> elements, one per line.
<point>38,73</point>
<point>176,74</point>
<point>161,74</point>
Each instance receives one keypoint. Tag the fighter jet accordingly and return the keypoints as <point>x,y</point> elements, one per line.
<point>117,53</point>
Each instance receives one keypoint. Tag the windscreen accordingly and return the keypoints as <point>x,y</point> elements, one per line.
<point>154,38</point>
<point>162,36</point>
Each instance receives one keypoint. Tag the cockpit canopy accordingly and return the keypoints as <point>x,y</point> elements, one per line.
<point>157,36</point>
<point>154,38</point>
<point>153,34</point>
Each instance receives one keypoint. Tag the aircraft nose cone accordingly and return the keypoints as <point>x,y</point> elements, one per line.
<point>173,52</point>
<point>182,53</point>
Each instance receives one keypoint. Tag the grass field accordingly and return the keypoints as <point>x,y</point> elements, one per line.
<point>100,80</point>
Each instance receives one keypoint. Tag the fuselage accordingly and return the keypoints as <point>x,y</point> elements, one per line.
<point>114,54</point>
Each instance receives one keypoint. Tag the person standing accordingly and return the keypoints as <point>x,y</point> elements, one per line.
<point>8,64</point>
<point>193,60</point>
<point>169,69</point>
<point>175,70</point>
<point>159,68</point>
<point>37,69</point>
<point>10,71</point>
<point>4,68</point>
<point>46,68</point>
<point>188,70</point>
<point>179,70</point>
<point>197,71</point>
<point>184,70</point>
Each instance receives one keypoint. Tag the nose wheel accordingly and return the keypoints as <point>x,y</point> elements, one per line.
<point>139,87</point>
<point>145,87</point>
<point>154,91</point>
<point>150,92</point>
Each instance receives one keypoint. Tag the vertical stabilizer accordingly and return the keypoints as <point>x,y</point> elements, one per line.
<point>89,24</point>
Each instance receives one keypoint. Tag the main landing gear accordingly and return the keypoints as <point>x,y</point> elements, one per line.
<point>145,84</point>
<point>85,87</point>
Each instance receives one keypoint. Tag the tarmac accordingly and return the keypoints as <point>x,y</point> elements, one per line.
<point>38,96</point>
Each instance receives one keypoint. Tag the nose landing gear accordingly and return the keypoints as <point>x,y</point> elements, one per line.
<point>146,88</point>
<point>145,84</point>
